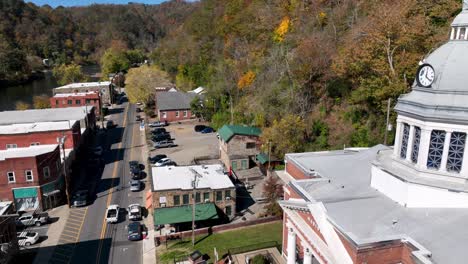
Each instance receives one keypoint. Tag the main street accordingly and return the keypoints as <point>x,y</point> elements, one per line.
<point>96,241</point>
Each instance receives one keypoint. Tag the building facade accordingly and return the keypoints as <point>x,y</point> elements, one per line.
<point>405,204</point>
<point>104,89</point>
<point>238,146</point>
<point>172,187</point>
<point>91,99</point>
<point>30,176</point>
<point>174,106</point>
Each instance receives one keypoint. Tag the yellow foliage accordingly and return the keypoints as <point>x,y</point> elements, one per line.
<point>246,80</point>
<point>282,29</point>
<point>322,18</point>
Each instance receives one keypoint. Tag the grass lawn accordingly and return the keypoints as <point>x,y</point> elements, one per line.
<point>222,241</point>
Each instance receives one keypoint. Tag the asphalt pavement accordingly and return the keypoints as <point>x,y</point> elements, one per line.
<point>99,242</point>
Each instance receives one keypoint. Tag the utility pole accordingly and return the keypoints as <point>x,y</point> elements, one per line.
<point>269,158</point>
<point>196,175</point>
<point>232,114</point>
<point>388,120</point>
<point>61,140</point>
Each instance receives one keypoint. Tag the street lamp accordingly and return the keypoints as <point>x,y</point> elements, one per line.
<point>196,175</point>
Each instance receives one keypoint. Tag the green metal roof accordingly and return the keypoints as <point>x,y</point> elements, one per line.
<point>183,214</point>
<point>262,158</point>
<point>228,131</point>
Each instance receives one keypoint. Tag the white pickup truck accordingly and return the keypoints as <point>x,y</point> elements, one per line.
<point>30,219</point>
<point>112,214</point>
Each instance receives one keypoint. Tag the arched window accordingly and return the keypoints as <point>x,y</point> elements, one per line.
<point>455,153</point>
<point>404,141</point>
<point>416,141</point>
<point>436,148</point>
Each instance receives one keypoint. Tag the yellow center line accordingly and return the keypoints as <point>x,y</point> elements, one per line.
<point>109,196</point>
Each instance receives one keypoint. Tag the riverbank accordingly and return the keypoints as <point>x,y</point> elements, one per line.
<point>33,76</point>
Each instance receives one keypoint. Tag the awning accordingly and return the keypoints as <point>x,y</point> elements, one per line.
<point>183,214</point>
<point>48,188</point>
<point>25,193</point>
<point>262,158</point>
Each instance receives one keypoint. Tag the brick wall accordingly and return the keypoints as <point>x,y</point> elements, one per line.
<point>43,138</point>
<point>237,145</point>
<point>171,115</point>
<point>20,165</point>
<point>75,101</point>
<point>220,204</point>
<point>104,90</point>
<point>295,171</point>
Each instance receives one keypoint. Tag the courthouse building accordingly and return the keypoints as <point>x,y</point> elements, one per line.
<point>402,204</point>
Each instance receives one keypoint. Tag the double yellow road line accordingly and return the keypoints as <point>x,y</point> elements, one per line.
<point>109,196</point>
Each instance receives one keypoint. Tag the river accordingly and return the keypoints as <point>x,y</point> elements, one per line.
<point>25,92</point>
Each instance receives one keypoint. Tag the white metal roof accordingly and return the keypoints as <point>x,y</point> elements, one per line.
<point>44,115</point>
<point>180,177</point>
<point>31,151</point>
<point>85,84</point>
<point>36,127</point>
<point>74,94</point>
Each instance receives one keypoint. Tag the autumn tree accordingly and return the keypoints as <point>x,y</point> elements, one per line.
<point>286,135</point>
<point>41,101</point>
<point>140,83</point>
<point>272,192</point>
<point>20,105</point>
<point>70,73</point>
<point>114,61</point>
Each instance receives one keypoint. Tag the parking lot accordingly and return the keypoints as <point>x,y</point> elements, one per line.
<point>190,144</point>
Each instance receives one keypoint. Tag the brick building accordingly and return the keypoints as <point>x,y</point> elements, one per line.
<point>407,204</point>
<point>238,146</point>
<point>30,176</point>
<point>174,106</point>
<point>104,89</point>
<point>172,188</point>
<point>89,99</point>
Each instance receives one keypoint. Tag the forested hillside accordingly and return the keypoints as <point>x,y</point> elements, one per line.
<point>29,33</point>
<point>315,74</point>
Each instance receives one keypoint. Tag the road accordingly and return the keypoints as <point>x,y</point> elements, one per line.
<point>87,238</point>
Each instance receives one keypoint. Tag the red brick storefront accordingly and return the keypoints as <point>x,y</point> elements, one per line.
<point>175,115</point>
<point>27,177</point>
<point>77,99</point>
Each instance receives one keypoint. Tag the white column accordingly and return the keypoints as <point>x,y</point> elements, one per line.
<point>307,256</point>
<point>424,148</point>
<point>458,32</point>
<point>452,34</point>
<point>443,163</point>
<point>396,147</point>
<point>291,246</point>
<point>409,148</point>
<point>464,168</point>
<point>466,33</point>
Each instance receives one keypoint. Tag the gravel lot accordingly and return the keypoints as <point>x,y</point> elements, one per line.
<point>190,144</point>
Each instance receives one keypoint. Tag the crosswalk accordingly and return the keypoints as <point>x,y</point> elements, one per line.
<point>69,237</point>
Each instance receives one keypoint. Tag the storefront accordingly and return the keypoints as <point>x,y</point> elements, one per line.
<point>51,193</point>
<point>26,199</point>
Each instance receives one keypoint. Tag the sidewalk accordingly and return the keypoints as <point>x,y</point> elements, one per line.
<point>149,249</point>
<point>53,234</point>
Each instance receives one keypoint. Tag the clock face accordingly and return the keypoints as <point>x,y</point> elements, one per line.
<point>425,76</point>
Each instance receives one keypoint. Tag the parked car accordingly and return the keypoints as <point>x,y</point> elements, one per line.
<point>161,137</point>
<point>27,238</point>
<point>135,185</point>
<point>135,172</point>
<point>109,124</point>
<point>80,198</point>
<point>159,130</point>
<point>30,219</point>
<point>156,158</point>
<point>134,231</point>
<point>134,212</point>
<point>138,109</point>
<point>164,144</point>
<point>199,128</point>
<point>158,124</point>
<point>207,130</point>
<point>138,118</point>
<point>97,151</point>
<point>134,164</point>
<point>112,214</point>
<point>165,162</point>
